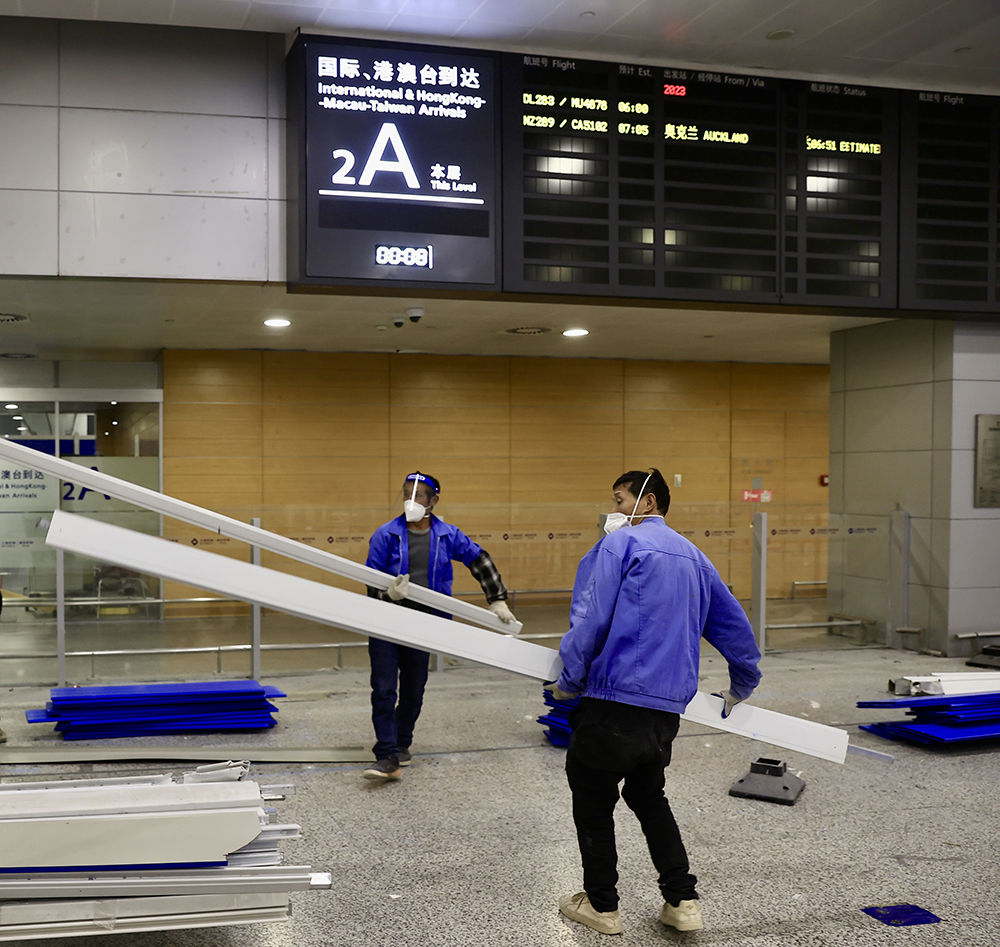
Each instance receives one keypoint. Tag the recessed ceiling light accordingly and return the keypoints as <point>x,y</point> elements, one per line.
<point>575,333</point>
<point>17,417</point>
<point>780,34</point>
<point>114,423</point>
<point>22,428</point>
<point>11,407</point>
<point>277,323</point>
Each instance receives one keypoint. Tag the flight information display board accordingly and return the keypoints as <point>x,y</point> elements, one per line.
<point>627,180</point>
<point>393,164</point>
<point>839,168</point>
<point>950,204</point>
<point>630,180</point>
<point>421,166</point>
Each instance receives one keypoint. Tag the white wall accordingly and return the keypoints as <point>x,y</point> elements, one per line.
<point>904,396</point>
<point>974,547</point>
<point>139,151</point>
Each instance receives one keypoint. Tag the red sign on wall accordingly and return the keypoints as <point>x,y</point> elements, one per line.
<point>756,496</point>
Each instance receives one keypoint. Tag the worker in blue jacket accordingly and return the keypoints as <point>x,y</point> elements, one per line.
<point>419,547</point>
<point>643,598</point>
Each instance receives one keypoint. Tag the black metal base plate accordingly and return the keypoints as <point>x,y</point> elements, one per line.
<point>784,789</point>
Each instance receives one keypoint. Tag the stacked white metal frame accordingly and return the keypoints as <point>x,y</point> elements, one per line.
<point>138,853</point>
<point>947,683</point>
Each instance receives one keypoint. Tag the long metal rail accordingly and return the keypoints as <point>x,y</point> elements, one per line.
<point>254,535</point>
<point>357,613</point>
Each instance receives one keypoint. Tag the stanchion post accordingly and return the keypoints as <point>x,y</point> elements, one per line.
<point>61,615</point>
<point>255,613</point>
<point>897,611</point>
<point>758,594</point>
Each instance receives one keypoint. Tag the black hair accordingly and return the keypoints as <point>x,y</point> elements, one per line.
<point>419,475</point>
<point>633,480</point>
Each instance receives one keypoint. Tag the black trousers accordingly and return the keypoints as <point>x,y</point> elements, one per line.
<point>614,743</point>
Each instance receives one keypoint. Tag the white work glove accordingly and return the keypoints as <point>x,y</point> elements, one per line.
<point>399,588</point>
<point>502,612</point>
<point>729,701</point>
<point>553,688</point>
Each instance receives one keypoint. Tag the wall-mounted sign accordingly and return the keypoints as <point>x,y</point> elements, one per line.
<point>987,490</point>
<point>393,156</point>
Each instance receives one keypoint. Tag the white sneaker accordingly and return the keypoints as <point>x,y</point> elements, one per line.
<point>685,917</point>
<point>577,907</point>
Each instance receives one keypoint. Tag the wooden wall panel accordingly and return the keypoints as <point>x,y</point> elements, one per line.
<point>318,444</point>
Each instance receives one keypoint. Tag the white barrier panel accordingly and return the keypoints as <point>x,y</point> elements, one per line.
<point>234,529</point>
<point>297,596</point>
<point>367,616</point>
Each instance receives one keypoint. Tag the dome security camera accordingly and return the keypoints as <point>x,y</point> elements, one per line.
<point>398,322</point>
<point>415,313</point>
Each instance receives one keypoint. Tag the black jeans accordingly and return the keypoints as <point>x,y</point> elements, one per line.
<point>613,742</point>
<point>395,666</point>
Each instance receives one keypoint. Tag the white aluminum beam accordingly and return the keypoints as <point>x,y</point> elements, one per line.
<point>768,726</point>
<point>234,529</point>
<point>367,616</point>
<point>186,881</point>
<point>158,838</point>
<point>297,596</point>
<point>109,911</point>
<point>81,800</point>
<point>157,922</point>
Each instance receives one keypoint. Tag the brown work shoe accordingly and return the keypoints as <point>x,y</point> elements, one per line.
<point>577,907</point>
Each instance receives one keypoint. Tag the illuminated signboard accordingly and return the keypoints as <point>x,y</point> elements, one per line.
<point>392,164</point>
<point>950,206</point>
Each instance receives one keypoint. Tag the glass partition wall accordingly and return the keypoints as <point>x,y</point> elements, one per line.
<point>118,437</point>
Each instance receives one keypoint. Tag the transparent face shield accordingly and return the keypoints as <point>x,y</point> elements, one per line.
<point>617,520</point>
<point>413,509</point>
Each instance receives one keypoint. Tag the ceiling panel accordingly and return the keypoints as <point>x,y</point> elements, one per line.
<point>891,42</point>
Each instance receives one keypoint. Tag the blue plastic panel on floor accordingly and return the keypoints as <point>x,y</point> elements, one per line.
<point>901,915</point>
<point>123,710</point>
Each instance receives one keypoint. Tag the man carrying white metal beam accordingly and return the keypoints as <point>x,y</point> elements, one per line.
<point>642,600</point>
<point>416,546</point>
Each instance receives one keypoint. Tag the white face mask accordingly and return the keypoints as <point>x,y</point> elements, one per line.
<point>414,511</point>
<point>617,520</point>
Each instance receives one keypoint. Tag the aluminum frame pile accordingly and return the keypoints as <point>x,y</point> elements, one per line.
<point>133,710</point>
<point>946,682</point>
<point>138,853</point>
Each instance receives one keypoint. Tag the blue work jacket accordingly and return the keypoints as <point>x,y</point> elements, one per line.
<point>389,551</point>
<point>643,598</point>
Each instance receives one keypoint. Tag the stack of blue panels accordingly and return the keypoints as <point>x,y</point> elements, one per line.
<point>941,720</point>
<point>139,710</point>
<point>557,726</point>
